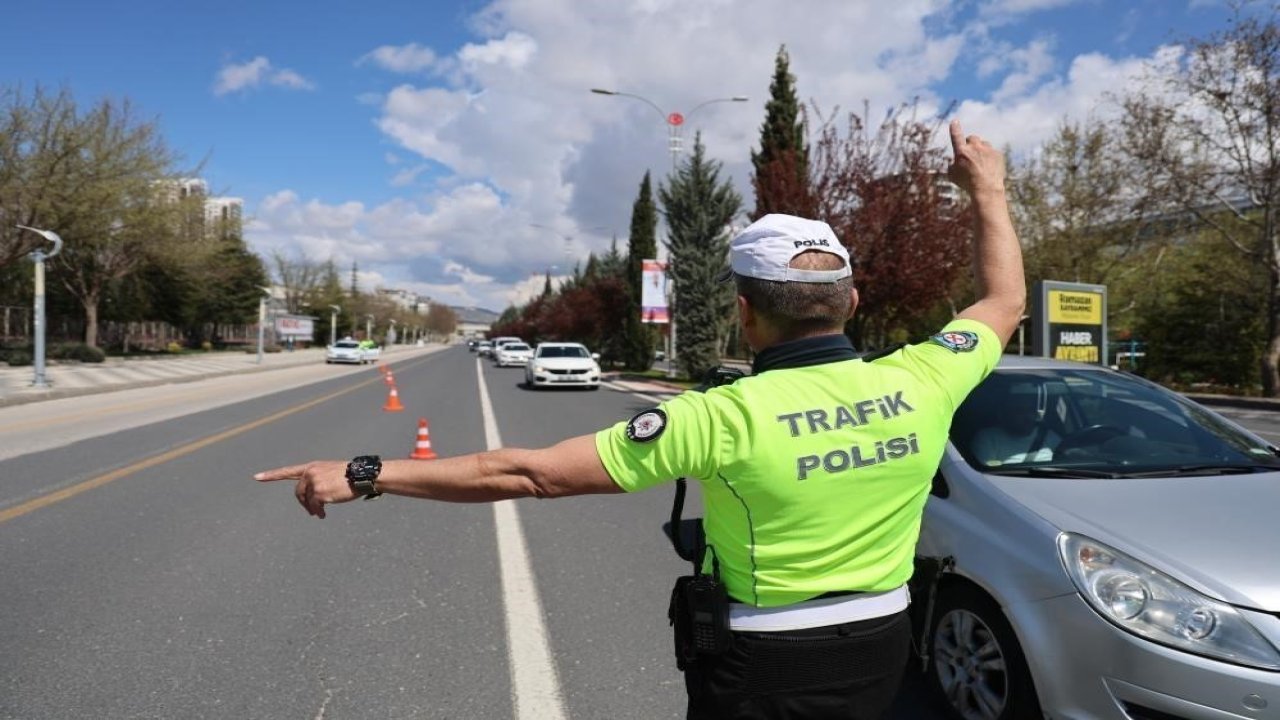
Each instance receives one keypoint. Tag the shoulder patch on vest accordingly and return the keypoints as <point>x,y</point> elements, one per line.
<point>647,426</point>
<point>956,340</point>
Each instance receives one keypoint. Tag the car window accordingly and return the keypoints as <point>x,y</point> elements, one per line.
<point>520,347</point>
<point>562,352</point>
<point>1094,421</point>
<point>346,345</point>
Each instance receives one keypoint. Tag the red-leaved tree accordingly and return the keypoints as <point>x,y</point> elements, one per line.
<point>884,192</point>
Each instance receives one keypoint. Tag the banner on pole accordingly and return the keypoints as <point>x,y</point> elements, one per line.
<point>653,295</point>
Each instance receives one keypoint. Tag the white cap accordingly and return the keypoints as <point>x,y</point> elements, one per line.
<point>764,250</point>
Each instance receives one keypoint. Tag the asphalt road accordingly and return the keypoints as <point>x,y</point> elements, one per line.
<point>160,581</point>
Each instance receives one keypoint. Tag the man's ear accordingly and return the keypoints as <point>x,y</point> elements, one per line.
<point>746,312</point>
<point>853,305</point>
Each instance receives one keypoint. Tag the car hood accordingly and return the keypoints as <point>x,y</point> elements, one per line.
<point>1218,534</point>
<point>566,363</point>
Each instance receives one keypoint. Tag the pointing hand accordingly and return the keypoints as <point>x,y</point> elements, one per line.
<point>976,166</point>
<point>319,483</point>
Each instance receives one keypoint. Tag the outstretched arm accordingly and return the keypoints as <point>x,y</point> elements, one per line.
<point>571,467</point>
<point>997,256</point>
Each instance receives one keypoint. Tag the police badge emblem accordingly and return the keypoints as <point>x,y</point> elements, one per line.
<point>647,425</point>
<point>957,340</point>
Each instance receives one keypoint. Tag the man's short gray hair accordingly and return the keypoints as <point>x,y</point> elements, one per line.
<point>798,309</point>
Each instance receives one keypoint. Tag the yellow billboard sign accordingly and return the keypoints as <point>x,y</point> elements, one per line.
<point>1075,307</point>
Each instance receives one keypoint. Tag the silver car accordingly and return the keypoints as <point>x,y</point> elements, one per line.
<point>1098,547</point>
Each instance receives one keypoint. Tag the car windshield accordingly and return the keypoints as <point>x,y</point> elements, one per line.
<point>1093,423</point>
<point>563,351</point>
<point>517,347</point>
<point>346,345</point>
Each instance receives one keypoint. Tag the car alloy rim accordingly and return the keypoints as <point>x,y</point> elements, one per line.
<point>970,666</point>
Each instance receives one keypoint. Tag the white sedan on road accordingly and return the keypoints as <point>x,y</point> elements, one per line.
<point>513,353</point>
<point>562,364</point>
<point>345,351</point>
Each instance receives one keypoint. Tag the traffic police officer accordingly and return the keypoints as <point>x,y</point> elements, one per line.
<point>814,470</point>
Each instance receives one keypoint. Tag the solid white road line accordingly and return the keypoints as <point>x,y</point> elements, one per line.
<point>535,688</point>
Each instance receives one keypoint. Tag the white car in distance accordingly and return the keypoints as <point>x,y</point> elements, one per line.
<point>345,351</point>
<point>562,365</point>
<point>513,353</point>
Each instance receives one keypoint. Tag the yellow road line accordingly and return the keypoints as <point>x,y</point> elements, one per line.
<point>69,492</point>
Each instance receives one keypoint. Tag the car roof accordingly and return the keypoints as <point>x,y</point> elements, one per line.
<point>1032,362</point>
<point>561,344</point>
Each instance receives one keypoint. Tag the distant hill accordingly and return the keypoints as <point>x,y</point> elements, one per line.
<point>475,315</point>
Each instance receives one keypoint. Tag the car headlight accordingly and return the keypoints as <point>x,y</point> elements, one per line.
<point>539,368</point>
<point>1146,602</point>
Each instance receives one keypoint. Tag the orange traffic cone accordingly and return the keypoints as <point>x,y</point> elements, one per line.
<point>422,449</point>
<point>382,368</point>
<point>389,378</point>
<point>393,401</point>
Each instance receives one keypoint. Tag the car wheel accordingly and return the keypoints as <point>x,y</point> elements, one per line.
<point>977,670</point>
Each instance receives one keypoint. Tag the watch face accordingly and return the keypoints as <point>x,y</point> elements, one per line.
<point>365,467</point>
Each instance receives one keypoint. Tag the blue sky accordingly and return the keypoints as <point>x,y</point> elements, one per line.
<point>424,140</point>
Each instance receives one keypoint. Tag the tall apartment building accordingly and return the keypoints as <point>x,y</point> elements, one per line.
<point>223,217</point>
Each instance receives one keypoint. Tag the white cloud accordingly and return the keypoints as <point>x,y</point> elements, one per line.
<point>514,51</point>
<point>234,78</point>
<point>1005,8</point>
<point>409,58</point>
<point>503,132</point>
<point>407,176</point>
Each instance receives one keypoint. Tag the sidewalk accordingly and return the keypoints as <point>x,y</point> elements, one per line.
<point>72,379</point>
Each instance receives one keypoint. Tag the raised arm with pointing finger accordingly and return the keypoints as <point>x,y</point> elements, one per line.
<point>997,256</point>
<point>814,470</point>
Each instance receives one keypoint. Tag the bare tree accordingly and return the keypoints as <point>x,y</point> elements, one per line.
<point>301,279</point>
<point>1206,132</point>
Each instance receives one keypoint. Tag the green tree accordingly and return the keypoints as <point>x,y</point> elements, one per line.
<point>781,167</point>
<point>699,206</point>
<point>642,244</point>
<point>38,142</point>
<point>230,288</point>
<point>1205,134</point>
<point>1198,331</point>
<point>116,206</point>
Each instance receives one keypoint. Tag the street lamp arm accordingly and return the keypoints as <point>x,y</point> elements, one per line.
<point>735,98</point>
<point>49,235</point>
<point>661,113</point>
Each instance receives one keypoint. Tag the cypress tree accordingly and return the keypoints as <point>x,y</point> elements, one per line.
<point>642,244</point>
<point>781,167</point>
<point>699,206</point>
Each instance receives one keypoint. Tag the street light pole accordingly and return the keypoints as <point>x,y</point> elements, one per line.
<point>368,327</point>
<point>333,324</point>
<point>262,318</point>
<point>38,256</point>
<point>675,123</point>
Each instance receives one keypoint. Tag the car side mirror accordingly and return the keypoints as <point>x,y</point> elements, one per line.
<point>595,356</point>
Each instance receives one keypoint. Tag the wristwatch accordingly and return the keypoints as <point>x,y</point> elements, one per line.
<point>362,471</point>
